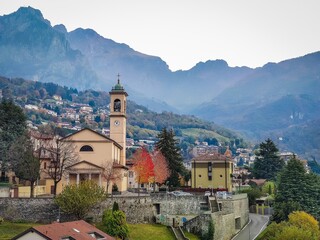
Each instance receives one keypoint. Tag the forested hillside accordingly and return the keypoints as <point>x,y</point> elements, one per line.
<point>142,122</point>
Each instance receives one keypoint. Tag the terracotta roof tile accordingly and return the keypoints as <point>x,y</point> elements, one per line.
<point>78,230</point>
<point>214,157</point>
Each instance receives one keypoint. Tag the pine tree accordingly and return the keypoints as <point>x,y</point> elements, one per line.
<point>267,163</point>
<point>167,145</point>
<point>297,190</point>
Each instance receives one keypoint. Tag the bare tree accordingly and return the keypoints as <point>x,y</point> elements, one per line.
<point>111,172</point>
<point>57,152</point>
<point>62,155</point>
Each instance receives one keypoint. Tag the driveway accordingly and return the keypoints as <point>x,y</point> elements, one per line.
<point>257,224</point>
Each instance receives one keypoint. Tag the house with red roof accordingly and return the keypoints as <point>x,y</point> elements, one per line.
<point>76,230</point>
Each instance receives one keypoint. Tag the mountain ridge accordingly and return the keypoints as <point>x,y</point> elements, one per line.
<point>230,96</point>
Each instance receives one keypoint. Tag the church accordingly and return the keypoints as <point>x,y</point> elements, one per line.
<point>100,158</point>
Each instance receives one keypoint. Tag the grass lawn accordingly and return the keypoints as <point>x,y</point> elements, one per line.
<point>9,230</point>
<point>151,232</point>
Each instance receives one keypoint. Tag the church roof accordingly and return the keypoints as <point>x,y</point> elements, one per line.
<point>89,129</point>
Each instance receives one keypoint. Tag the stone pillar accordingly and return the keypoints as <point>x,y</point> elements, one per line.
<point>89,176</point>
<point>99,179</point>
<point>78,178</point>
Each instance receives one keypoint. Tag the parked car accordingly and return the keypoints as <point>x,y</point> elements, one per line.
<point>180,193</point>
<point>224,195</point>
<point>207,193</point>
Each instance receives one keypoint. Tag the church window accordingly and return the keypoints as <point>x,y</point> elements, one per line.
<point>86,148</point>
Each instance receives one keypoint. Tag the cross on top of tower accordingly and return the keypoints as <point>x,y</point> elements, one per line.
<point>118,78</point>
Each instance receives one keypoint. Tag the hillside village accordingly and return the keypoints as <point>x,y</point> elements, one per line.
<point>102,157</point>
<point>81,159</point>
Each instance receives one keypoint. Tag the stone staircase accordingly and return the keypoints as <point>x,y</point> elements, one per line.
<point>178,233</point>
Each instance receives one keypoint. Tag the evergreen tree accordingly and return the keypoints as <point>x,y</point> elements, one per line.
<point>296,190</point>
<point>115,223</point>
<point>267,163</point>
<point>167,145</point>
<point>25,161</point>
<point>12,126</point>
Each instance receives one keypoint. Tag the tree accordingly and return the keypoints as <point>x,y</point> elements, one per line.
<point>12,126</point>
<point>161,171</point>
<point>296,190</point>
<point>115,224</point>
<point>25,160</point>
<point>79,199</point>
<point>167,145</point>
<point>61,153</point>
<point>110,173</point>
<point>267,163</point>
<point>253,194</point>
<point>300,225</point>
<point>143,166</point>
<point>268,188</point>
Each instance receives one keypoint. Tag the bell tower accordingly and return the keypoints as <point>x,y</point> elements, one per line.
<point>118,118</point>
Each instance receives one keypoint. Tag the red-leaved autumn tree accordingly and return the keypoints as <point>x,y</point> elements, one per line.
<point>143,166</point>
<point>161,170</point>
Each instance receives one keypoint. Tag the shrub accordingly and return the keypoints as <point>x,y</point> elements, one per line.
<point>115,223</point>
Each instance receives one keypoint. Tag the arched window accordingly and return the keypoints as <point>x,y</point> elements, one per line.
<point>86,148</point>
<point>117,105</point>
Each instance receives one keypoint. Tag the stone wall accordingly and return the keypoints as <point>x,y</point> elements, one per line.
<point>179,205</point>
<point>233,216</point>
<point>137,209</point>
<point>143,209</point>
<point>26,209</point>
<point>199,224</point>
<point>44,210</point>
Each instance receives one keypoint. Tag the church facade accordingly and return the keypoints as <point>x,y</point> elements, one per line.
<point>100,158</point>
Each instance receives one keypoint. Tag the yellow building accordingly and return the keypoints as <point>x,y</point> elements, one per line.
<point>212,171</point>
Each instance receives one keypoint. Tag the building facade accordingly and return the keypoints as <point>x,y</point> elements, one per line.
<point>212,171</point>
<point>95,156</point>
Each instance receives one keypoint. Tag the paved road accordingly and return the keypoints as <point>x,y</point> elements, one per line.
<point>257,224</point>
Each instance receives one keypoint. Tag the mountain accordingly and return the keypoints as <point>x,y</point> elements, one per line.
<point>264,86</point>
<point>261,102</point>
<point>271,101</point>
<point>82,58</point>
<point>32,49</point>
<point>303,138</point>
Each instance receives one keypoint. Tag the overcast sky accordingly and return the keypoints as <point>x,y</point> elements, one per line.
<point>185,32</point>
